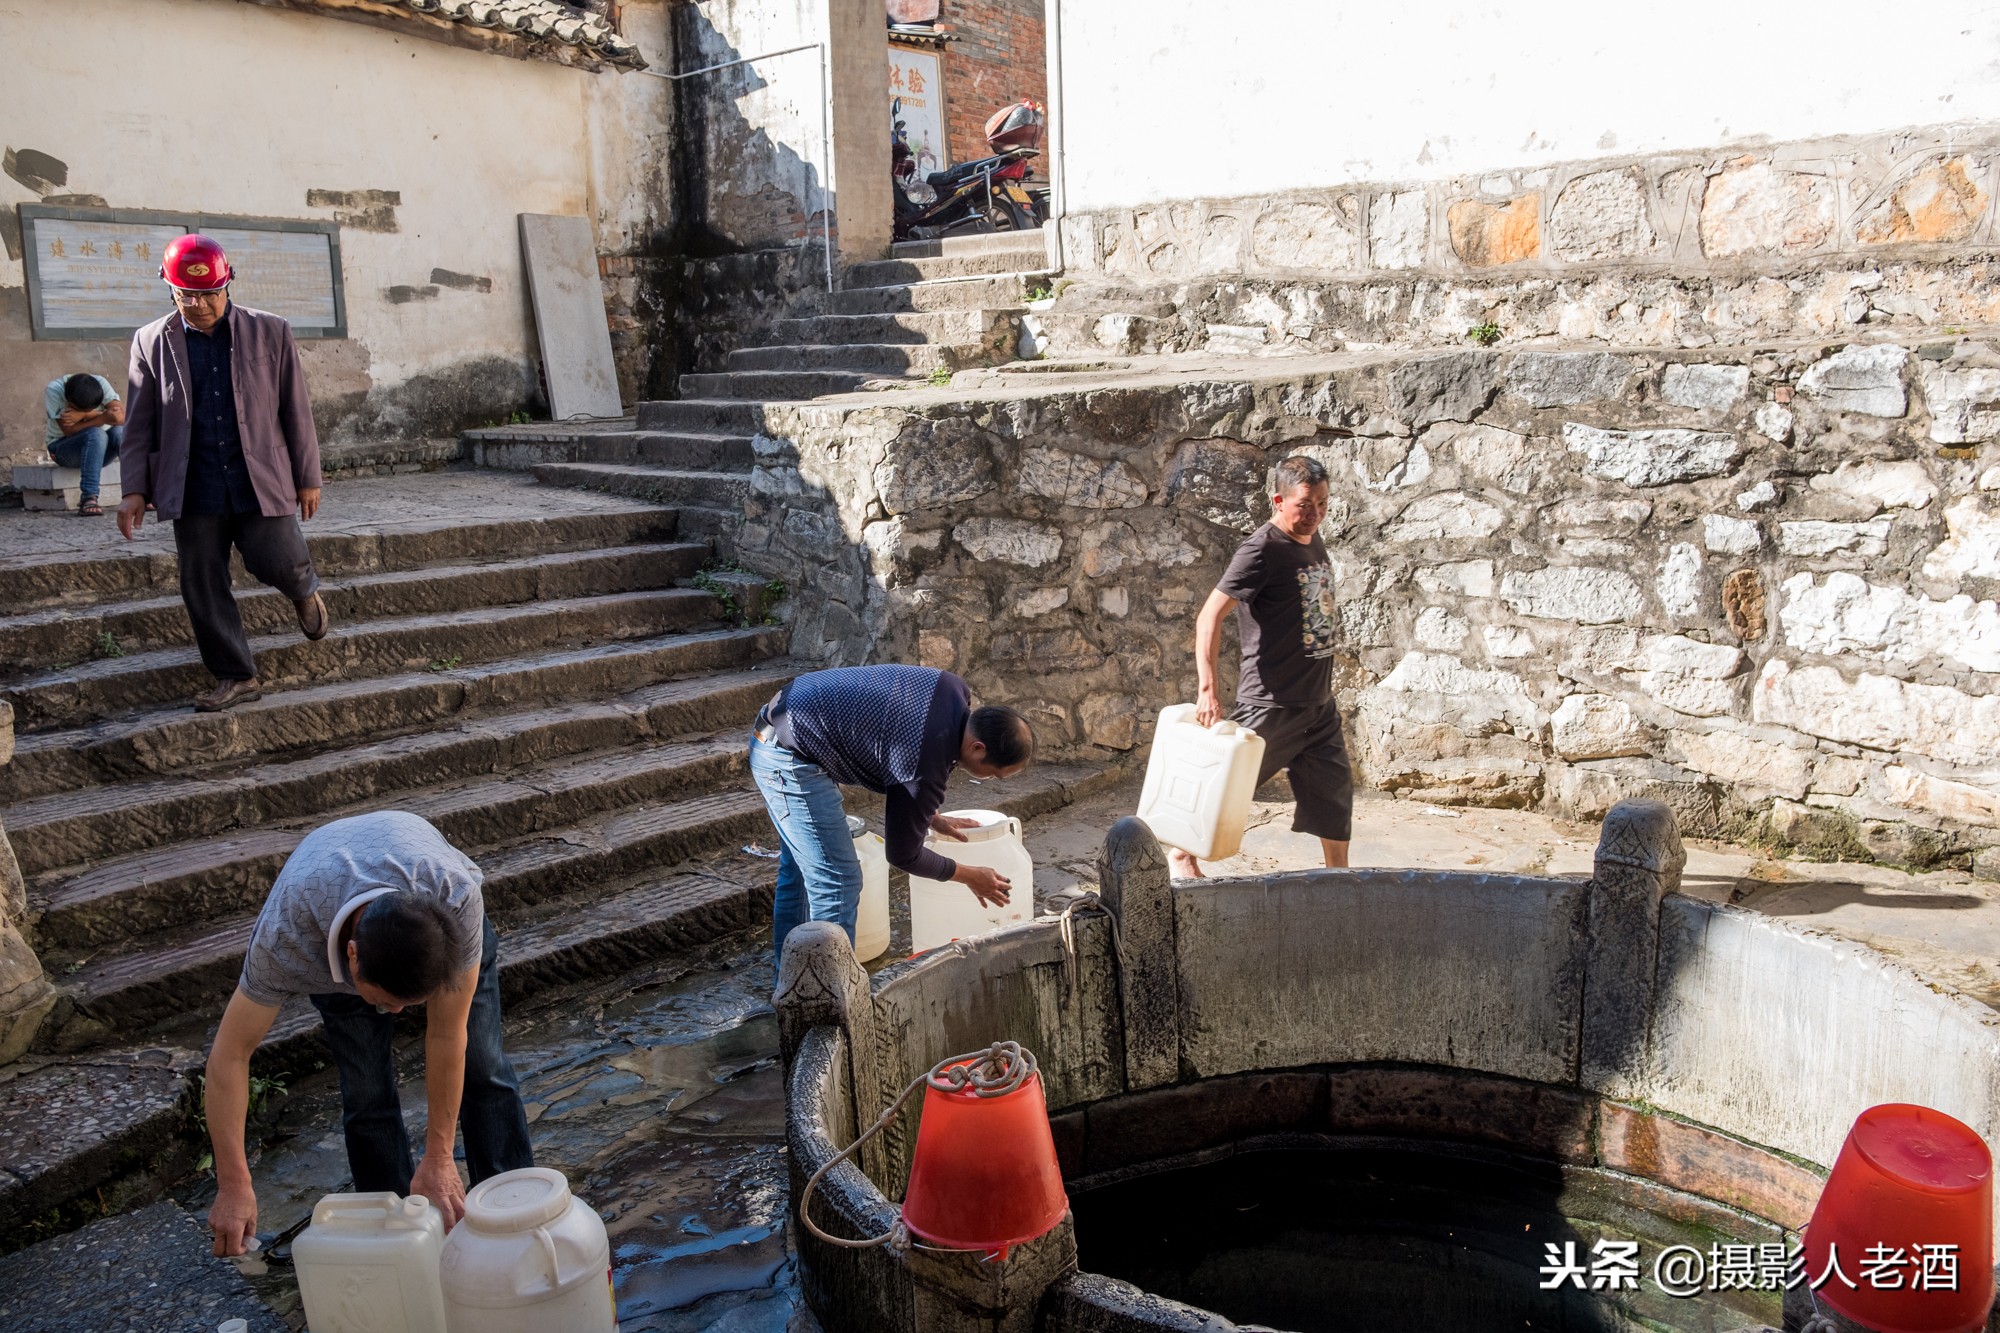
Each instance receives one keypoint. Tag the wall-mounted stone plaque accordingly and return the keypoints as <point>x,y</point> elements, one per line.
<point>95,272</point>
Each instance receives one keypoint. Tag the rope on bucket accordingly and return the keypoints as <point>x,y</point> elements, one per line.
<point>993,1072</point>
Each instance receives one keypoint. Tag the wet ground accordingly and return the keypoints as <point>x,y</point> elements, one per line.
<point>658,1095</point>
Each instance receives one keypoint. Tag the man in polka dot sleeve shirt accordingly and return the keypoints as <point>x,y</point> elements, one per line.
<point>898,730</point>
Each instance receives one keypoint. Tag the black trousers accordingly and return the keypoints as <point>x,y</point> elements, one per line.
<point>371,1112</point>
<point>1307,742</point>
<point>274,551</point>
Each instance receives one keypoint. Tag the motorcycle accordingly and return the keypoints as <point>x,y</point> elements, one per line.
<point>988,194</point>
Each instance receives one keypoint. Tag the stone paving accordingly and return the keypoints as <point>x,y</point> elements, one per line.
<point>363,505</point>
<point>144,1272</point>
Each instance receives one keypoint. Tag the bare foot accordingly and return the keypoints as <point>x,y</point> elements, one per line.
<point>1184,866</point>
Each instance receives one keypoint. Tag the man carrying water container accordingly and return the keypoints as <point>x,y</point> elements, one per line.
<point>370,916</point>
<point>897,730</point>
<point>1280,583</point>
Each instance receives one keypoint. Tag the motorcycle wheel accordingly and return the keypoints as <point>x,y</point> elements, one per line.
<point>1006,215</point>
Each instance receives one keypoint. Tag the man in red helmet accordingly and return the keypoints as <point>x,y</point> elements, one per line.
<point>219,438</point>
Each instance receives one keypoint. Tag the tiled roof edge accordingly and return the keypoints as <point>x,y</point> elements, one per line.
<point>545,19</point>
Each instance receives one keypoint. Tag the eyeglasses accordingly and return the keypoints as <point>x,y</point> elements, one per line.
<point>183,296</point>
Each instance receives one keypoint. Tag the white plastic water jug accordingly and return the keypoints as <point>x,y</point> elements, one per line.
<point>529,1257</point>
<point>369,1264</point>
<point>943,912</point>
<point>1199,782</point>
<point>871,921</point>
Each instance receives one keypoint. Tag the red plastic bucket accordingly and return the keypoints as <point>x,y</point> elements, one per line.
<point>1911,1187</point>
<point>985,1175</point>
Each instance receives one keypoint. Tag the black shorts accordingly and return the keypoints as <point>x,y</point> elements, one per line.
<point>1307,742</point>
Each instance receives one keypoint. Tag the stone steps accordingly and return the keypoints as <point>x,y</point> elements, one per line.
<point>713,490</point>
<point>302,721</point>
<point>371,648</point>
<point>194,970</point>
<point>228,870</point>
<point>983,293</point>
<point>773,385</point>
<point>691,450</point>
<point>904,327</point>
<point>71,634</point>
<point>1017,243</point>
<point>869,358</point>
<point>29,582</point>
<point>730,416</point>
<point>918,266</point>
<point>72,828</point>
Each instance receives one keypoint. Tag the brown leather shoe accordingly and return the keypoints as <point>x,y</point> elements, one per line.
<point>313,619</point>
<point>228,694</point>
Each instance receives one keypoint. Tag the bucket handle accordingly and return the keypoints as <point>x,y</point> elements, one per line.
<point>549,1253</point>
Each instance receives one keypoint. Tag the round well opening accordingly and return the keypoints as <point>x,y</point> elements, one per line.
<point>1404,1236</point>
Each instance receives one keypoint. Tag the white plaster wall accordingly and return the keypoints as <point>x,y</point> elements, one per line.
<point>238,109</point>
<point>1185,99</point>
<point>764,131</point>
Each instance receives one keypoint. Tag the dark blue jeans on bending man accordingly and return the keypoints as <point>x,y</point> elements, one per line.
<point>371,1113</point>
<point>819,873</point>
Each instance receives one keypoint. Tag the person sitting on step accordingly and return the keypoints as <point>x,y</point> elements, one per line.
<point>86,422</point>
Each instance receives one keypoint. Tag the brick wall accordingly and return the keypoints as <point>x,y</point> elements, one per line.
<point>999,57</point>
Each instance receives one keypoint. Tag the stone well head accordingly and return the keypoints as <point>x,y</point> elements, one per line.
<point>1610,1026</point>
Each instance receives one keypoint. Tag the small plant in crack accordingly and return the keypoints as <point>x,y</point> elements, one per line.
<point>1484,334</point>
<point>939,377</point>
<point>107,645</point>
<point>446,663</point>
<point>725,593</point>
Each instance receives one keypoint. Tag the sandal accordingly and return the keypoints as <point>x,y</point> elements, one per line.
<point>90,509</point>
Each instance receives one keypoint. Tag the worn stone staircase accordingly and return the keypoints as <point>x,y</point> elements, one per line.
<point>547,692</point>
<point>933,305</point>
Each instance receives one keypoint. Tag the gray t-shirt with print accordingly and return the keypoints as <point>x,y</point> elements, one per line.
<point>336,871</point>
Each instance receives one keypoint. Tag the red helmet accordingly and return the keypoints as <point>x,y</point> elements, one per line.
<point>195,263</point>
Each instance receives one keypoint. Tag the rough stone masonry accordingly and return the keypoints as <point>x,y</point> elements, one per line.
<point>1757,584</point>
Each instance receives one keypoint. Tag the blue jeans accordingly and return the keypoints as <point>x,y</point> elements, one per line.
<point>371,1113</point>
<point>819,874</point>
<point>85,452</point>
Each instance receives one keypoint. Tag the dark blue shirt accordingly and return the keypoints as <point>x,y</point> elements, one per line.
<point>218,482</point>
<point>892,729</point>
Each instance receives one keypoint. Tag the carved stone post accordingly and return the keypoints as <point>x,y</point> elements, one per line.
<point>819,982</point>
<point>1639,861</point>
<point>1137,889</point>
<point>25,994</point>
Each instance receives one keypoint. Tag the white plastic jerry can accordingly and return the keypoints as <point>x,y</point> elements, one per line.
<point>871,920</point>
<point>1199,782</point>
<point>369,1264</point>
<point>529,1257</point>
<point>941,912</point>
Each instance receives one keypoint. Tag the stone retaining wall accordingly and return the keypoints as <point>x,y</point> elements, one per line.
<point>1755,583</point>
<point>1810,239</point>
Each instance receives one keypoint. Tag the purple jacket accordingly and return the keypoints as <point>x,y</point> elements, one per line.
<point>273,414</point>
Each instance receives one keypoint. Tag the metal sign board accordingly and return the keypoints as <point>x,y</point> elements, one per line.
<point>95,272</point>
